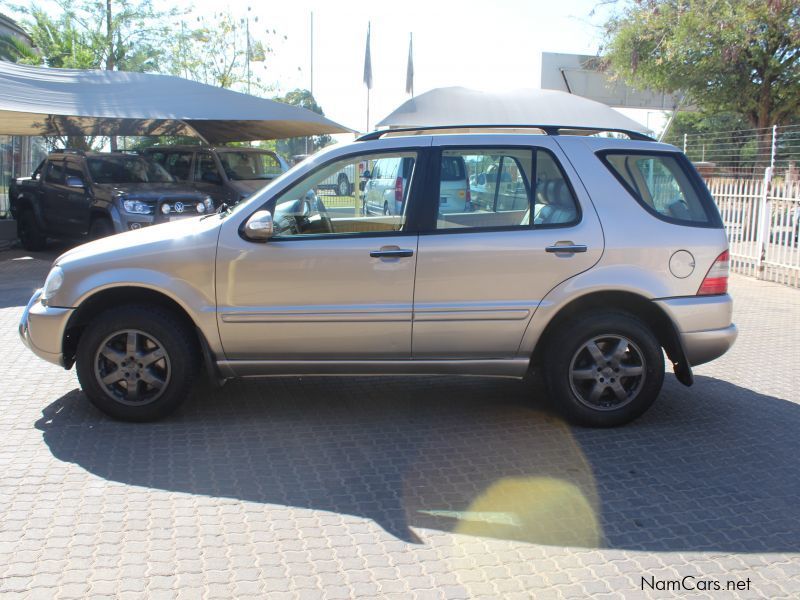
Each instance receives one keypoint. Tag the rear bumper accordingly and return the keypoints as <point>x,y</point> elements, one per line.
<point>704,324</point>
<point>42,329</point>
<point>704,346</point>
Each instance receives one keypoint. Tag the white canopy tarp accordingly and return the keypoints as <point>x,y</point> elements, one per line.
<point>43,101</point>
<point>459,106</point>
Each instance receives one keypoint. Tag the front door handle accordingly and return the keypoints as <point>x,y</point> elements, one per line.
<point>566,248</point>
<point>391,252</point>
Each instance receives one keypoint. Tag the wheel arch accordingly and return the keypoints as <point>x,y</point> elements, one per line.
<point>106,298</point>
<point>639,306</point>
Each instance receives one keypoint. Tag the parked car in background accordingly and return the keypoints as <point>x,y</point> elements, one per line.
<point>78,195</point>
<point>386,187</point>
<point>579,268</point>
<point>227,174</point>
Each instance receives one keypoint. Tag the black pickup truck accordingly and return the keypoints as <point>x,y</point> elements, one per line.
<point>79,195</point>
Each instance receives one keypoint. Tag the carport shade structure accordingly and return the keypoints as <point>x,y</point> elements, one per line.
<point>61,102</point>
<point>459,107</point>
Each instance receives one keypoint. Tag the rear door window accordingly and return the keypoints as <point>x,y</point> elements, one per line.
<point>660,183</point>
<point>503,187</point>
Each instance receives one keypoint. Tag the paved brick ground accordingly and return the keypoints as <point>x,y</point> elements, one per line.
<point>403,487</point>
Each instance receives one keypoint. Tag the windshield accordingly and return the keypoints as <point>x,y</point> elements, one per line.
<point>250,165</point>
<point>126,169</point>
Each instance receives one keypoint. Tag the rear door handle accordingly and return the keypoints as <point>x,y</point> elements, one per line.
<point>391,253</point>
<point>566,248</point>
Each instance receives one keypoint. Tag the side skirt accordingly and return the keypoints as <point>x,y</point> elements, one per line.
<point>515,368</point>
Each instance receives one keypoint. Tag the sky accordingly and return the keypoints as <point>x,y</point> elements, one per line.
<point>493,45</point>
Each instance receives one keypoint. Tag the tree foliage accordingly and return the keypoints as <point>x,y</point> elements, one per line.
<point>735,56</point>
<point>216,52</point>
<point>302,145</point>
<point>126,35</point>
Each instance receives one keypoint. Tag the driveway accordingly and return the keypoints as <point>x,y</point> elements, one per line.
<point>434,487</point>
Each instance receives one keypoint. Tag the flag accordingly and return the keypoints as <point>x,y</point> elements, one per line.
<point>410,68</point>
<point>368,64</point>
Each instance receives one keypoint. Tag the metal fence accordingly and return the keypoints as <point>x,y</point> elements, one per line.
<point>761,219</point>
<point>753,176</point>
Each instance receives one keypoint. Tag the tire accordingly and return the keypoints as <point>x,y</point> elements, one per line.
<point>100,227</point>
<point>343,185</point>
<point>107,348</point>
<point>29,233</point>
<point>575,372</point>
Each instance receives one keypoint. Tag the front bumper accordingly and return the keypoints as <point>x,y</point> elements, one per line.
<point>704,324</point>
<point>42,329</point>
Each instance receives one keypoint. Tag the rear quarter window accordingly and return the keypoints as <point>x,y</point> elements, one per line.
<point>665,185</point>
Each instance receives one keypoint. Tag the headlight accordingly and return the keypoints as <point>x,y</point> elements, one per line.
<point>55,278</point>
<point>137,207</point>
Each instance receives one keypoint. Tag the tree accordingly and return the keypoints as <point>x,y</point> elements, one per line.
<point>222,52</point>
<point>737,56</point>
<point>302,145</point>
<point>60,43</point>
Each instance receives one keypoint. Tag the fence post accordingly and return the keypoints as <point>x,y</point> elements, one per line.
<point>772,147</point>
<point>684,143</point>
<point>764,221</point>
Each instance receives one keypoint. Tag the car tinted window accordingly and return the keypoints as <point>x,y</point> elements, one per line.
<point>514,187</point>
<point>250,165</point>
<point>311,207</point>
<point>177,164</point>
<point>205,169</point>
<point>660,184</point>
<point>126,169</point>
<point>54,173</point>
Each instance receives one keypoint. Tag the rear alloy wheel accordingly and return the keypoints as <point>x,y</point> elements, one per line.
<point>343,185</point>
<point>606,369</point>
<point>28,232</point>
<point>137,363</point>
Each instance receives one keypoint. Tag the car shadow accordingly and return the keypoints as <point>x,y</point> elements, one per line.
<point>711,468</point>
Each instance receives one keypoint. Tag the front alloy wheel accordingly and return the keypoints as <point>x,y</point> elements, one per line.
<point>137,362</point>
<point>132,367</point>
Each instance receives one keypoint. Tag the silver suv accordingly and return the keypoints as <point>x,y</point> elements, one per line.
<point>583,258</point>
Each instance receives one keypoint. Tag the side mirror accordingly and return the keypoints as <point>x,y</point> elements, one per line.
<point>259,226</point>
<point>74,182</point>
<point>366,174</point>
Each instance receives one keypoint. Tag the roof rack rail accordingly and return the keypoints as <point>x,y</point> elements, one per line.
<point>546,129</point>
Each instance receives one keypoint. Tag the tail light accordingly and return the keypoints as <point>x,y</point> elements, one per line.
<point>398,189</point>
<point>716,281</point>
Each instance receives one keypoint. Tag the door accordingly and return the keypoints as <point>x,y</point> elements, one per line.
<point>53,196</point>
<point>76,209</point>
<point>331,284</point>
<point>482,272</point>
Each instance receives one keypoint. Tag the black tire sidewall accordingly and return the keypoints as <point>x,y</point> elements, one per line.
<point>34,239</point>
<point>100,227</point>
<point>177,342</point>
<point>576,332</point>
